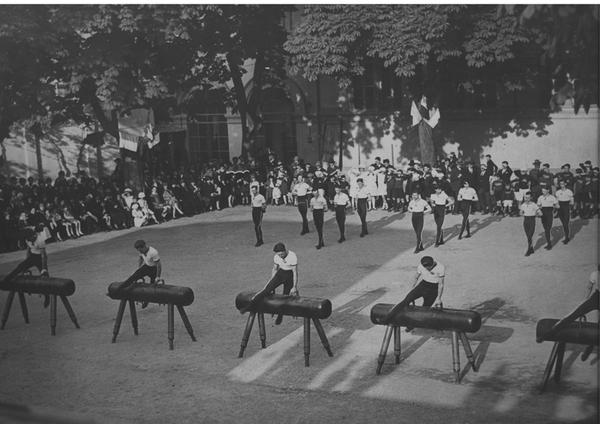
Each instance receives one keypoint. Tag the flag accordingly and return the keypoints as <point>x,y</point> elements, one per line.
<point>136,127</point>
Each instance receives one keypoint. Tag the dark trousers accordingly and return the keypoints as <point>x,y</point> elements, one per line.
<point>340,218</point>
<point>547,221</point>
<point>257,214</point>
<point>30,261</point>
<point>318,219</point>
<point>564,215</point>
<point>417,223</point>
<point>141,272</point>
<point>466,210</point>
<point>529,227</point>
<point>439,212</point>
<point>428,291</point>
<point>485,200</point>
<point>281,277</point>
<point>588,305</point>
<point>361,208</point>
<point>303,209</point>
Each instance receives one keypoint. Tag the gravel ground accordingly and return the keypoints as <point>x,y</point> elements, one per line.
<point>81,375</point>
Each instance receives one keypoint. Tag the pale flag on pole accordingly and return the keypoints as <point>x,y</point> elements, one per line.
<point>416,115</point>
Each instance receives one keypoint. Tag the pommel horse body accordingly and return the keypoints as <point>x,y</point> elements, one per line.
<point>35,284</point>
<point>581,333</point>
<point>306,307</point>
<point>162,294</point>
<point>458,321</point>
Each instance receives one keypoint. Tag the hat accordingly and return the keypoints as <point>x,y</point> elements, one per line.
<point>588,162</point>
<point>546,165</point>
<point>128,190</point>
<point>536,162</point>
<point>279,247</point>
<point>141,195</point>
<point>566,165</point>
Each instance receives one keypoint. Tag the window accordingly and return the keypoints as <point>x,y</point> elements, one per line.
<point>209,138</point>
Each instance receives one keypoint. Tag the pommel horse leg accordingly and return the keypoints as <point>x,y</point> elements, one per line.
<point>53,314</point>
<point>555,361</point>
<point>384,347</point>
<point>468,351</point>
<point>186,322</point>
<point>24,307</point>
<point>306,341</point>
<point>262,332</point>
<point>7,306</point>
<point>246,335</point>
<point>134,320</point>
<point>171,324</point>
<point>118,320</point>
<point>322,336</point>
<point>455,357</point>
<point>397,344</point>
<point>70,311</point>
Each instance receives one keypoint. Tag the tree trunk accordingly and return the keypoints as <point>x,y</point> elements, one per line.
<point>38,156</point>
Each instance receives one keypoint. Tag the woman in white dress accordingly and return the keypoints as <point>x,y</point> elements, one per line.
<point>382,186</point>
<point>371,184</point>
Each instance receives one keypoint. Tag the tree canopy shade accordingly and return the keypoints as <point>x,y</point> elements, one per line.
<point>485,51</point>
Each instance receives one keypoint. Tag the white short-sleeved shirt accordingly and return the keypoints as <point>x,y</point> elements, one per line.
<point>37,246</point>
<point>435,275</point>
<point>258,201</point>
<point>467,193</point>
<point>529,209</point>
<point>288,263</point>
<point>151,257</point>
<point>318,203</point>
<point>565,195</point>
<point>418,205</point>
<point>363,193</point>
<point>301,189</point>
<point>439,199</point>
<point>547,201</point>
<point>341,199</point>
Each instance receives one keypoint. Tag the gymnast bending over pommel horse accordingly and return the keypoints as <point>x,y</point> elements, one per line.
<point>573,328</point>
<point>20,281</point>
<point>428,283</point>
<point>284,273</point>
<point>134,291</point>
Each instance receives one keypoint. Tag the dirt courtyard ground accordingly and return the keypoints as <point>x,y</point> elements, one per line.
<point>79,375</point>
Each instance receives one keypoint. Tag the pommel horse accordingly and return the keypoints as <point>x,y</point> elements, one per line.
<point>581,333</point>
<point>162,294</point>
<point>306,307</point>
<point>35,284</point>
<point>457,321</point>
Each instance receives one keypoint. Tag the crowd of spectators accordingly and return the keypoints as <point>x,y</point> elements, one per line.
<point>72,206</point>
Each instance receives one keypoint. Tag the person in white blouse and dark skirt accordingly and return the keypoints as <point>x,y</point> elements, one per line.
<point>439,201</point>
<point>466,196</point>
<point>301,191</point>
<point>529,211</point>
<point>566,200</point>
<point>362,198</point>
<point>259,205</point>
<point>318,204</point>
<point>547,203</point>
<point>341,202</point>
<point>418,207</point>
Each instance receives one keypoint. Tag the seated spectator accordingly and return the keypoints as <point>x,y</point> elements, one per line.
<point>139,217</point>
